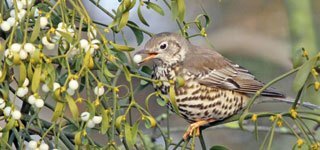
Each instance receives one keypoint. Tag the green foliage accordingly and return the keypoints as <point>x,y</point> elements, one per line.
<point>56,57</point>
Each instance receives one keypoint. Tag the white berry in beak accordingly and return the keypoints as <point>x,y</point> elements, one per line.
<point>137,58</point>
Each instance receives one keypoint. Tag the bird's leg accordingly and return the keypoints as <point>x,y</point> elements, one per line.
<point>196,126</point>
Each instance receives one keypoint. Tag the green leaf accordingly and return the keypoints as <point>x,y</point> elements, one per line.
<point>107,73</point>
<point>36,56</point>
<point>9,125</point>
<point>155,7</point>
<point>123,20</point>
<point>146,70</point>
<point>180,81</point>
<point>77,138</point>
<point>172,98</point>
<point>174,9</point>
<point>36,31</point>
<point>119,120</point>
<point>303,73</point>
<point>67,36</point>
<point>219,147</point>
<point>105,125</point>
<point>150,122</point>
<point>181,10</point>
<point>232,125</point>
<point>30,71</point>
<point>4,72</point>
<point>131,134</point>
<point>144,82</point>
<point>134,131</point>
<point>58,110</point>
<point>137,33</point>
<point>199,23</point>
<point>128,135</point>
<point>52,75</point>
<point>127,73</point>
<point>161,102</point>
<point>91,107</point>
<point>73,107</point>
<point>36,79</point>
<point>23,73</point>
<point>141,18</point>
<point>121,47</point>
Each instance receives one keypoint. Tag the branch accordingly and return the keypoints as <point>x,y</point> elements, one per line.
<point>288,101</point>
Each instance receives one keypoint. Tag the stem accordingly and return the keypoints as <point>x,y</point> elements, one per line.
<point>114,106</point>
<point>202,142</point>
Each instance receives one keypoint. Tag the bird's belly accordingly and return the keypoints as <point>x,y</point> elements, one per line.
<point>197,102</point>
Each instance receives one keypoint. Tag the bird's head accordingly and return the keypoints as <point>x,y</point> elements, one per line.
<point>165,48</point>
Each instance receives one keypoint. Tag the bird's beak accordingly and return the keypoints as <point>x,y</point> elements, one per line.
<point>146,55</point>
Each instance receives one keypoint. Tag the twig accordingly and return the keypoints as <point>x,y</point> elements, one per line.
<point>304,104</point>
<point>249,128</point>
<point>202,142</point>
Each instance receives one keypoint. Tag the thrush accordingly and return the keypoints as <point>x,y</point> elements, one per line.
<point>215,88</point>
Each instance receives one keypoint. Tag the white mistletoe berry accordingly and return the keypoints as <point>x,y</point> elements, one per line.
<point>90,124</point>
<point>15,47</point>
<point>23,55</point>
<point>32,144</point>
<point>2,103</point>
<point>43,146</point>
<point>73,84</point>
<point>0,73</point>
<point>16,114</point>
<point>39,103</point>
<point>70,91</point>
<point>5,26</point>
<point>25,82</point>
<point>44,40</point>
<point>92,32</point>
<point>29,47</point>
<point>13,13</point>
<point>137,58</point>
<point>45,88</point>
<point>19,5</point>
<point>25,2</point>
<point>11,21</point>
<point>84,43</point>
<point>8,54</point>
<point>85,116</point>
<point>90,49</point>
<point>31,99</point>
<point>98,90</point>
<point>22,13</point>
<point>43,22</point>
<point>56,86</point>
<point>50,46</point>
<point>7,111</point>
<point>97,119</point>
<point>22,91</point>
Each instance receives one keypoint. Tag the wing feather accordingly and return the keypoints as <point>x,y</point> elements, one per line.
<point>217,71</point>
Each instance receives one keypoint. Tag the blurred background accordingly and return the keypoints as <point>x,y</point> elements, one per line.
<point>259,35</point>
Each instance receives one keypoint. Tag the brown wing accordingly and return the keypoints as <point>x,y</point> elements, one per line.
<point>214,70</point>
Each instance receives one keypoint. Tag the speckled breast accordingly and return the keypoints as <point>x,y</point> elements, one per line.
<point>198,102</point>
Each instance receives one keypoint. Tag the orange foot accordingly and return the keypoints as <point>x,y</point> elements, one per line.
<point>196,126</point>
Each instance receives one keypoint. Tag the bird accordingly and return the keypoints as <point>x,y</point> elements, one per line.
<point>214,87</point>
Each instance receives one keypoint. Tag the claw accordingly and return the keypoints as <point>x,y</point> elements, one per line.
<point>195,127</point>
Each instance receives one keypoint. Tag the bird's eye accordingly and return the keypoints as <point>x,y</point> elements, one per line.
<point>163,45</point>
